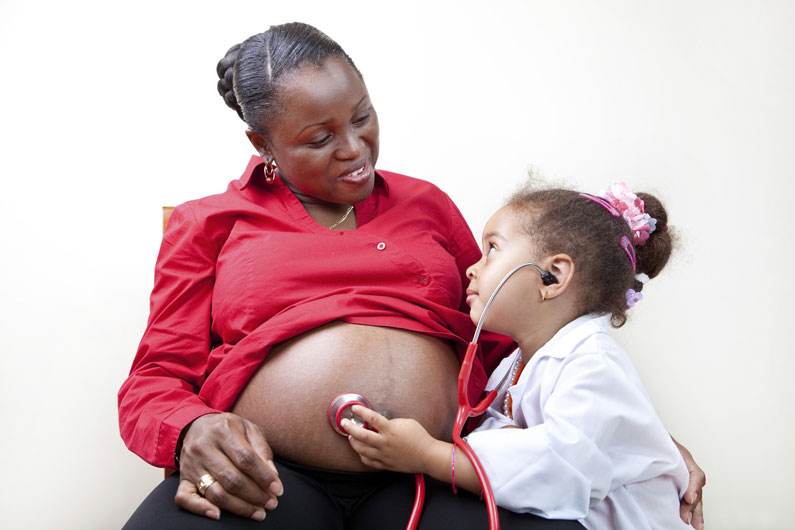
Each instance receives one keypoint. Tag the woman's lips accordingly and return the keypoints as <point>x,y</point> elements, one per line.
<point>358,175</point>
<point>471,297</point>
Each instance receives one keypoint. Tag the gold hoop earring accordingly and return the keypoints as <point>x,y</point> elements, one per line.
<point>270,171</point>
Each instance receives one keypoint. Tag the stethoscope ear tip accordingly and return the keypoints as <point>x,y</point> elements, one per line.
<point>547,278</point>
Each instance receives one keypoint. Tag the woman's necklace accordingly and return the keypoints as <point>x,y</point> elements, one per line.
<point>516,372</point>
<point>342,219</point>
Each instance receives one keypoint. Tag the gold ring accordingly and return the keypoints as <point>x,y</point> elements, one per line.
<point>205,482</point>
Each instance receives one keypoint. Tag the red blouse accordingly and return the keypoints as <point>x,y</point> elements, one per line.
<point>244,270</point>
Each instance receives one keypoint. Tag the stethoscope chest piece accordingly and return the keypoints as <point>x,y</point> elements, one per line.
<point>340,409</point>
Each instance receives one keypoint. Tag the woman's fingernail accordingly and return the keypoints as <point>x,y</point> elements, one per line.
<point>212,514</point>
<point>258,515</point>
<point>271,504</point>
<point>689,518</point>
<point>277,488</point>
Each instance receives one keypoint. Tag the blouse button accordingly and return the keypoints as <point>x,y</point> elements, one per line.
<point>423,279</point>
<point>381,246</point>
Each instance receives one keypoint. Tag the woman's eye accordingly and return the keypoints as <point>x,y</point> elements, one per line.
<point>491,249</point>
<point>361,119</point>
<point>320,142</point>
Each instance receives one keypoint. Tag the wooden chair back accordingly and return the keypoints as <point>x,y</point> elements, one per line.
<point>166,215</point>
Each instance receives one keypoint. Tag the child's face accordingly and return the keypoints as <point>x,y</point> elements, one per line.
<point>505,245</point>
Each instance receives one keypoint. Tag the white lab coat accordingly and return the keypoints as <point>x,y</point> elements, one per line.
<point>591,446</point>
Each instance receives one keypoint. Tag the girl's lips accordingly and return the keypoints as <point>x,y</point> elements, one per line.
<point>471,298</point>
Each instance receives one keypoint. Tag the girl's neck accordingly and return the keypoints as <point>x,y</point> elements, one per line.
<point>534,337</point>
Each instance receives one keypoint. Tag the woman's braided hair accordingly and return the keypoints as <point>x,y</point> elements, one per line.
<point>562,221</point>
<point>250,73</point>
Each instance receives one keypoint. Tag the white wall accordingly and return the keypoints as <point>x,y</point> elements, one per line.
<point>108,110</point>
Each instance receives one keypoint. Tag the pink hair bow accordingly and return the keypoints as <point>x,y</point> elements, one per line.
<point>630,207</point>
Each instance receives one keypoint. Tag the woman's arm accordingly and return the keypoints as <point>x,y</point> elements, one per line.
<point>159,400</point>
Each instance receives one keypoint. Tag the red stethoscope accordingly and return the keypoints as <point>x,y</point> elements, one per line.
<point>340,408</point>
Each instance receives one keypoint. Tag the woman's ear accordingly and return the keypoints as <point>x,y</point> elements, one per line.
<point>260,144</point>
<point>562,268</point>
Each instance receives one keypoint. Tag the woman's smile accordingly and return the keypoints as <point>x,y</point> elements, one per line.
<point>358,176</point>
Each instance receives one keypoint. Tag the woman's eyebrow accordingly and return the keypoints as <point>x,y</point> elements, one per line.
<point>326,122</point>
<point>359,103</point>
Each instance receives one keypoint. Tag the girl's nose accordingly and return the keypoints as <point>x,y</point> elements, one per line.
<point>472,271</point>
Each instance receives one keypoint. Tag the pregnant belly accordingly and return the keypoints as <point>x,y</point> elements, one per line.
<point>402,374</point>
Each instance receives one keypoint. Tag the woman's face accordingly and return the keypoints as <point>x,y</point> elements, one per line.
<point>325,137</point>
<point>505,245</point>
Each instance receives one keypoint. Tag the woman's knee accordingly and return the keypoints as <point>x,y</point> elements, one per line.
<point>303,505</point>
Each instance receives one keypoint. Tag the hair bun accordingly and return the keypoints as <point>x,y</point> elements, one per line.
<point>226,87</point>
<point>654,254</point>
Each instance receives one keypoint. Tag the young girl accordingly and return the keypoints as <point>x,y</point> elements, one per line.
<point>572,434</point>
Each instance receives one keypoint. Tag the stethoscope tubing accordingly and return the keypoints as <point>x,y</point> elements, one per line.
<point>419,501</point>
<point>466,410</point>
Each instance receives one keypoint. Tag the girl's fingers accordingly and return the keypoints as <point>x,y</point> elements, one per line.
<point>356,432</point>
<point>368,454</point>
<point>375,464</point>
<point>373,418</point>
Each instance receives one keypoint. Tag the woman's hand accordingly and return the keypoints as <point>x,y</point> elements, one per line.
<point>400,444</point>
<point>691,509</point>
<point>234,451</point>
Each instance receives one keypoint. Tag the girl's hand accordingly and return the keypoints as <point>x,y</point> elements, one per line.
<point>400,444</point>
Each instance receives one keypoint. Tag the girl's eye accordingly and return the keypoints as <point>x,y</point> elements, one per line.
<point>491,249</point>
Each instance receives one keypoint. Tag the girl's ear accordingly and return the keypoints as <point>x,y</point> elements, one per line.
<point>562,268</point>
<point>260,144</point>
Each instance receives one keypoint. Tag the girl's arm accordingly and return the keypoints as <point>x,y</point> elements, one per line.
<point>404,445</point>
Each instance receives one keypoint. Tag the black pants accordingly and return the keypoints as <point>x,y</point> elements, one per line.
<point>316,499</point>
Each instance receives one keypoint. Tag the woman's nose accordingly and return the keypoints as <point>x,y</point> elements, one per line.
<point>350,146</point>
<point>472,271</point>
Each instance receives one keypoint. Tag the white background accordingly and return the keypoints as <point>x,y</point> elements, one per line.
<point>108,110</point>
